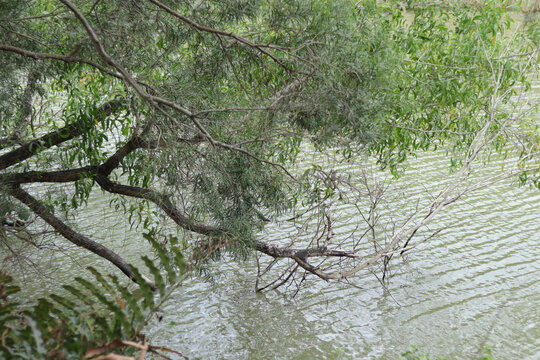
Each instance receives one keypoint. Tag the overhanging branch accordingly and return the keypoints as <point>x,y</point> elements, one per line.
<point>241,39</point>
<point>163,202</point>
<point>54,138</point>
<point>71,235</point>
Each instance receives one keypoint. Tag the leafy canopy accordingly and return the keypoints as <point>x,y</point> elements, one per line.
<point>196,111</point>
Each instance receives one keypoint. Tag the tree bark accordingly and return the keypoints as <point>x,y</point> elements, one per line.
<point>53,138</point>
<point>73,236</point>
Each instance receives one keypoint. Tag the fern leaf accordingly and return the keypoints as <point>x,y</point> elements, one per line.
<point>145,288</point>
<point>64,302</point>
<point>179,260</point>
<point>163,256</point>
<point>134,308</point>
<point>99,320</point>
<point>158,279</point>
<point>101,280</point>
<point>78,294</point>
<point>120,315</point>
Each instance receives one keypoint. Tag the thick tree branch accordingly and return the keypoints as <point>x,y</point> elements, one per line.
<point>112,162</point>
<point>65,176</point>
<point>163,202</point>
<point>184,222</point>
<point>71,235</point>
<point>157,198</point>
<point>53,138</point>
<point>155,100</point>
<point>277,252</point>
<point>61,176</point>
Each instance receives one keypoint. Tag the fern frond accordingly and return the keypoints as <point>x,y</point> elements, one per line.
<point>95,313</point>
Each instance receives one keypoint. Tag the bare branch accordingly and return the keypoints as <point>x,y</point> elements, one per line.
<point>65,58</point>
<point>51,14</point>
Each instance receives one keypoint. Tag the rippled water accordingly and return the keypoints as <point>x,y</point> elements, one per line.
<point>475,283</point>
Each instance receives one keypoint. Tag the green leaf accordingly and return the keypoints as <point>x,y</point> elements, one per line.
<point>133,307</point>
<point>101,280</point>
<point>163,256</point>
<point>179,260</point>
<point>145,289</point>
<point>158,279</point>
<point>103,300</point>
<point>79,295</point>
<point>64,302</point>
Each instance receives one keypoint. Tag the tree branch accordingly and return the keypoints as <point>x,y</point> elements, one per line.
<point>73,236</point>
<point>184,222</point>
<point>163,202</point>
<point>61,176</point>
<point>26,110</point>
<point>103,54</point>
<point>236,37</point>
<point>277,252</point>
<point>54,138</point>
<point>65,58</point>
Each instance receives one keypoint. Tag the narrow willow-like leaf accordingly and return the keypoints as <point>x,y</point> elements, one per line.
<point>91,287</point>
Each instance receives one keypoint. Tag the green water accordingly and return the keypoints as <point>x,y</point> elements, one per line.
<point>475,283</point>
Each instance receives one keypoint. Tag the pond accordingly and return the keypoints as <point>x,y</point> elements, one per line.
<point>474,284</point>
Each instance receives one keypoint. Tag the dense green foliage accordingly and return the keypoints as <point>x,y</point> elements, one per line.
<point>194,112</point>
<point>98,315</point>
<point>354,88</point>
